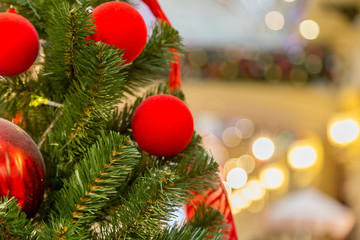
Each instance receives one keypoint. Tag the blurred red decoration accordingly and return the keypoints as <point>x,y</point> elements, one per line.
<point>22,167</point>
<point>119,24</point>
<point>162,125</point>
<point>217,199</point>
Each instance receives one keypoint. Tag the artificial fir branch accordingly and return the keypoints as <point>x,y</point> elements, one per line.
<point>68,28</point>
<point>157,194</point>
<point>13,222</point>
<point>95,179</point>
<point>186,232</point>
<point>154,60</point>
<point>208,218</point>
<point>89,103</point>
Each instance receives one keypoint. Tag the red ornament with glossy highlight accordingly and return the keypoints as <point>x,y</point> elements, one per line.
<point>22,167</point>
<point>119,24</point>
<point>162,125</point>
<point>19,44</point>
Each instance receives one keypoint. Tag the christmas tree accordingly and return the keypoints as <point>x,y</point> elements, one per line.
<point>77,102</point>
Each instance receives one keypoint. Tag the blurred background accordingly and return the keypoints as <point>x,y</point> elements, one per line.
<point>274,89</point>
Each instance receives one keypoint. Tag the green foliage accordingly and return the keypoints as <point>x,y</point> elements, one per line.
<point>13,223</point>
<point>154,59</point>
<point>67,29</point>
<point>78,106</point>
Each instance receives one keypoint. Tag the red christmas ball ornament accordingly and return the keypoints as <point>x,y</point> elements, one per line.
<point>162,125</point>
<point>121,25</point>
<point>22,167</point>
<point>19,44</point>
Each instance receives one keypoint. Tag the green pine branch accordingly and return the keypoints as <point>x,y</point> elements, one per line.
<point>68,28</point>
<point>95,180</point>
<point>154,60</point>
<point>88,105</point>
<point>13,223</point>
<point>208,218</point>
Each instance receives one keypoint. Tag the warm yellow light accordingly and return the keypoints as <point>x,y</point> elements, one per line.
<point>254,190</point>
<point>300,157</point>
<point>272,178</point>
<point>309,29</point>
<point>231,137</point>
<point>289,0</point>
<point>263,148</point>
<point>238,200</point>
<point>343,132</point>
<point>274,20</point>
<point>236,178</point>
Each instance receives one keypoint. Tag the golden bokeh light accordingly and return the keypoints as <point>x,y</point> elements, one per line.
<point>254,190</point>
<point>302,156</point>
<point>309,29</point>
<point>263,148</point>
<point>343,132</point>
<point>236,178</point>
<point>239,201</point>
<point>272,178</point>
<point>274,20</point>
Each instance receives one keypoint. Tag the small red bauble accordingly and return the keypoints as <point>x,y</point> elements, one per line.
<point>162,125</point>
<point>19,44</point>
<point>22,167</point>
<point>121,25</point>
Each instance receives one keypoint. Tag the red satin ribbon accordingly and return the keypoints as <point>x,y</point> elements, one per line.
<point>175,73</point>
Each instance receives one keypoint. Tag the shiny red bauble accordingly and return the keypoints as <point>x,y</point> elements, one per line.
<point>19,44</point>
<point>22,168</point>
<point>162,125</point>
<point>121,25</point>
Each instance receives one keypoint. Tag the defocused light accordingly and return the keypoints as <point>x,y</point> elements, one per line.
<point>263,148</point>
<point>299,76</point>
<point>343,132</point>
<point>231,137</point>
<point>289,0</point>
<point>198,58</point>
<point>246,127</point>
<point>274,20</point>
<point>300,157</point>
<point>227,188</point>
<point>238,200</point>
<point>313,64</point>
<point>272,178</point>
<point>236,178</point>
<point>309,29</point>
<point>247,163</point>
<point>273,73</point>
<point>254,190</point>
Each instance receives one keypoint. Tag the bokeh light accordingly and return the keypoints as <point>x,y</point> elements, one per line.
<point>231,137</point>
<point>302,156</point>
<point>254,190</point>
<point>272,178</point>
<point>343,132</point>
<point>238,200</point>
<point>236,178</point>
<point>274,20</point>
<point>246,127</point>
<point>309,29</point>
<point>263,148</point>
